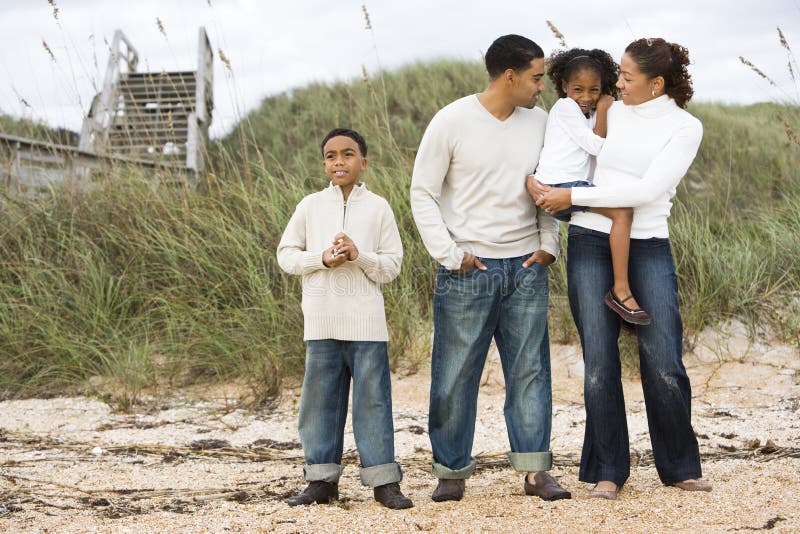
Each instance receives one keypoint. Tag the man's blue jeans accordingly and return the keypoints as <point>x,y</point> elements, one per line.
<point>508,303</point>
<point>330,364</point>
<point>667,392</point>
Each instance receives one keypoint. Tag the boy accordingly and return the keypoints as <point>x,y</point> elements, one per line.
<point>345,243</point>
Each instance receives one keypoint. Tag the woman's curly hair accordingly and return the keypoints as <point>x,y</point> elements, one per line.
<point>656,57</point>
<point>562,65</point>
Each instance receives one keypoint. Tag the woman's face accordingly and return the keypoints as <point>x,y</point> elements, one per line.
<point>635,87</point>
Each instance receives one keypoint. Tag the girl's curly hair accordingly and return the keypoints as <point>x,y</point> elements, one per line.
<point>562,65</point>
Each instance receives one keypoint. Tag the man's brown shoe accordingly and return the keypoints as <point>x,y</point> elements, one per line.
<point>693,485</point>
<point>390,496</point>
<point>317,492</point>
<point>449,489</point>
<point>545,487</point>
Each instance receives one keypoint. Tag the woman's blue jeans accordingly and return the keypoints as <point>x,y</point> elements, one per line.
<point>508,303</point>
<point>330,364</point>
<point>667,392</point>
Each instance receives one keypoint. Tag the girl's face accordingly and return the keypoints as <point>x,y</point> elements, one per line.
<point>635,87</point>
<point>584,87</point>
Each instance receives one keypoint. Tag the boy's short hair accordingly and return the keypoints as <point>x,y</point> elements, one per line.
<point>511,52</point>
<point>346,132</point>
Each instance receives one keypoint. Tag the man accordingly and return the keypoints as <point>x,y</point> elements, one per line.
<point>493,245</point>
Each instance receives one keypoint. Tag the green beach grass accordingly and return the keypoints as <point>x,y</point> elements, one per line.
<point>124,289</point>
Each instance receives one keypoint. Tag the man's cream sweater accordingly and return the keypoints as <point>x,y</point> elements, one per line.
<point>343,302</point>
<point>468,187</point>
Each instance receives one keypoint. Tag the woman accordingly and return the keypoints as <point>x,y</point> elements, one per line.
<point>650,144</point>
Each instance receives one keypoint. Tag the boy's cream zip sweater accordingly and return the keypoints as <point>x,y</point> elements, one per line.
<point>343,302</point>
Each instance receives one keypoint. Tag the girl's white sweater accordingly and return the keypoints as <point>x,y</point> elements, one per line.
<point>343,302</point>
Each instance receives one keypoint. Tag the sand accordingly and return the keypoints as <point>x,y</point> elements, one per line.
<point>195,461</point>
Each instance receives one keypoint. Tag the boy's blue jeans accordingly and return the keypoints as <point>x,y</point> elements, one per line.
<point>667,392</point>
<point>508,303</point>
<point>330,364</point>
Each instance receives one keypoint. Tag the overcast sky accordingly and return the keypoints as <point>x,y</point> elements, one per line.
<point>275,46</point>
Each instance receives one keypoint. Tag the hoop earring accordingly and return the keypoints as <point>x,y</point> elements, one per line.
<point>653,92</point>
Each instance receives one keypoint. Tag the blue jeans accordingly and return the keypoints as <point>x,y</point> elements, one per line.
<point>330,364</point>
<point>667,392</point>
<point>508,303</point>
<point>566,214</point>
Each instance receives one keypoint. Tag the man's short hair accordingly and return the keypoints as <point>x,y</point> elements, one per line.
<point>346,132</point>
<point>511,52</point>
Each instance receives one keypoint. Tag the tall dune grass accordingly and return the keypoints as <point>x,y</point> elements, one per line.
<point>125,289</point>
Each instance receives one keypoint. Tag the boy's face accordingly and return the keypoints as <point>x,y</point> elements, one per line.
<point>343,161</point>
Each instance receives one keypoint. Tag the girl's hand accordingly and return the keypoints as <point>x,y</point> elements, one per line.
<point>535,188</point>
<point>555,200</point>
<point>605,102</point>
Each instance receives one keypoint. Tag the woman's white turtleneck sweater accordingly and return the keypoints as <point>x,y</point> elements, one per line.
<point>647,151</point>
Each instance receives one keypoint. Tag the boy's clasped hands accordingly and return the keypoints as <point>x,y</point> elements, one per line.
<point>343,250</point>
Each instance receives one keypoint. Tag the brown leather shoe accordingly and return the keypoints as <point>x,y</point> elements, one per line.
<point>390,496</point>
<point>545,487</point>
<point>693,485</point>
<point>617,305</point>
<point>449,489</point>
<point>317,492</point>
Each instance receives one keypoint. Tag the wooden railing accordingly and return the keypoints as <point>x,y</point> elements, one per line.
<point>29,167</point>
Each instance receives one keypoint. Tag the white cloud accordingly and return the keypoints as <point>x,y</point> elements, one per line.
<point>276,46</point>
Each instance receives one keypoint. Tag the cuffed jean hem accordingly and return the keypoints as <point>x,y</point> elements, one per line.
<point>322,472</point>
<point>441,471</point>
<point>531,462</point>
<point>378,475</point>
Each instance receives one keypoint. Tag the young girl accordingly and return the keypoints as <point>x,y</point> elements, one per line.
<point>576,129</point>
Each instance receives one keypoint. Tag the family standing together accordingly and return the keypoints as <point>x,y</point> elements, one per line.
<point>493,176</point>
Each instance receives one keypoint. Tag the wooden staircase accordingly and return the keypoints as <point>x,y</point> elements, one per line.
<point>152,115</point>
<point>161,117</point>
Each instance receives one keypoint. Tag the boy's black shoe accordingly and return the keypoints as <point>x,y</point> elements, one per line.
<point>317,492</point>
<point>390,496</point>
<point>449,490</point>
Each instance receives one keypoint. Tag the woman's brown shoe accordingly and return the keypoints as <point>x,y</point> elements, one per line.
<point>693,485</point>
<point>610,495</point>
